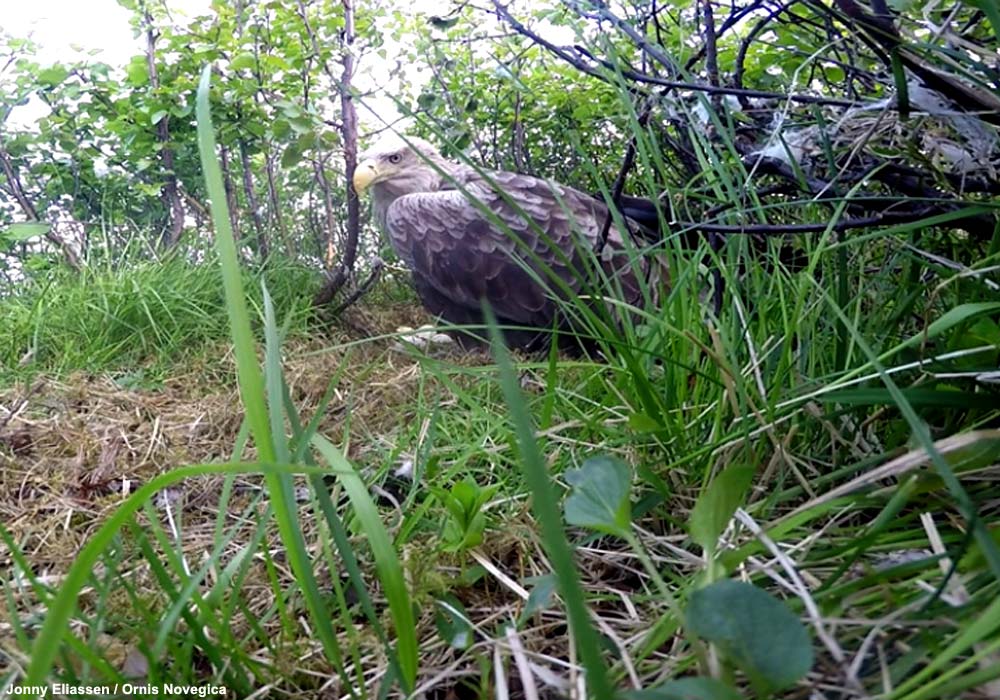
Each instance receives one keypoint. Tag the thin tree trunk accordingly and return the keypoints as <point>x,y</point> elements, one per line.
<point>17,191</point>
<point>272,191</point>
<point>231,201</point>
<point>349,130</point>
<point>263,246</point>
<point>327,248</point>
<point>517,142</point>
<point>170,194</point>
<point>349,119</point>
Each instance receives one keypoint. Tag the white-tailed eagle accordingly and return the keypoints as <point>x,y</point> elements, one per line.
<point>518,242</point>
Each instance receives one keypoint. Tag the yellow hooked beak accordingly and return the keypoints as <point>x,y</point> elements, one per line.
<point>365,174</point>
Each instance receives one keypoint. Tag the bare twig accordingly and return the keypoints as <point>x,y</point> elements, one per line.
<point>635,76</point>
<point>363,288</point>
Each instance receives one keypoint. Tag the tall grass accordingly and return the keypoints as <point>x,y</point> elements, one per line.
<point>132,313</point>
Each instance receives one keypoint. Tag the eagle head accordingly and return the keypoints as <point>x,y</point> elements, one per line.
<point>401,165</point>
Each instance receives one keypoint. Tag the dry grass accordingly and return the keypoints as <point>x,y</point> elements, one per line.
<point>71,449</point>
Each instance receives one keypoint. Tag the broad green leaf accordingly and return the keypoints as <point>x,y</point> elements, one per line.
<point>292,155</point>
<point>275,63</point>
<point>980,332</point>
<point>452,622</point>
<point>541,595</point>
<point>280,128</point>
<point>302,126</point>
<point>427,100</point>
<point>330,138</point>
<point>25,231</point>
<point>685,689</point>
<point>642,423</point>
<point>243,60</point>
<point>717,504</point>
<point>51,77</point>
<point>137,71</point>
<point>600,497</point>
<point>754,630</point>
<point>157,116</point>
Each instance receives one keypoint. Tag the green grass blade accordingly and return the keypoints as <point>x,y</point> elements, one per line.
<point>252,389</point>
<point>546,507</point>
<point>386,561</point>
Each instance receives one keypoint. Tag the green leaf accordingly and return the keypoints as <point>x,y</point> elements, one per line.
<point>280,128</point>
<point>541,595</point>
<point>755,631</point>
<point>387,564</point>
<point>685,689</point>
<point>600,497</point>
<point>137,71</point>
<point>25,231</point>
<point>465,528</point>
<point>275,63</point>
<point>717,504</point>
<point>293,154</point>
<point>902,89</point>
<point>426,100</point>
<point>156,116</point>
<point>992,12</point>
<point>302,126</point>
<point>980,332</point>
<point>51,77</point>
<point>242,61</point>
<point>452,622</point>
<point>642,423</point>
<point>546,509</point>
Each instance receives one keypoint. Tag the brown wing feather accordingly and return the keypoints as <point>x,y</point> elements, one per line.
<point>453,247</point>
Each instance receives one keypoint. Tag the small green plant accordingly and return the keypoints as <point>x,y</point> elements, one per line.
<point>714,509</point>
<point>467,522</point>
<point>752,630</point>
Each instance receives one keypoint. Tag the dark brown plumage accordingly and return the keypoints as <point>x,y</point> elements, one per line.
<point>442,220</point>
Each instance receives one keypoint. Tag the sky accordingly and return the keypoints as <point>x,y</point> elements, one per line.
<point>65,30</point>
<point>61,26</point>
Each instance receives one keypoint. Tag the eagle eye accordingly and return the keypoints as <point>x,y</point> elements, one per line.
<point>395,158</point>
